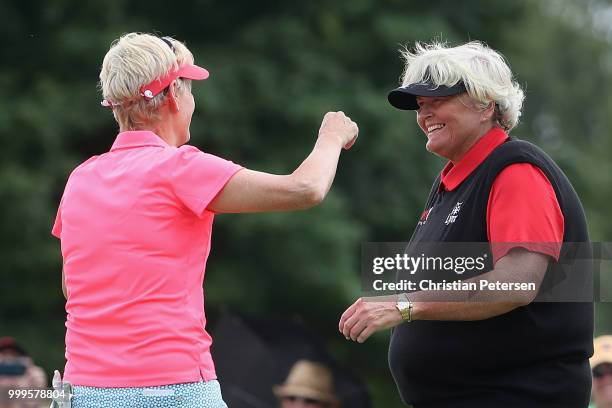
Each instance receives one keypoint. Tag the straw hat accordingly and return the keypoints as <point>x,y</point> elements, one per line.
<point>308,379</point>
<point>602,346</point>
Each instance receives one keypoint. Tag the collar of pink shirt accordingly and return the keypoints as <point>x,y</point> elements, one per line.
<point>137,138</point>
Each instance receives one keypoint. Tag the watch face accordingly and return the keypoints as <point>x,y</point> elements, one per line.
<point>403,305</point>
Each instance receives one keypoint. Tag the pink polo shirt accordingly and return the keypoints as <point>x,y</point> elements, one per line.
<point>135,235</point>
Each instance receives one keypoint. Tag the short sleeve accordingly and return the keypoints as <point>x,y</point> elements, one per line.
<point>523,211</point>
<point>56,231</point>
<point>197,177</point>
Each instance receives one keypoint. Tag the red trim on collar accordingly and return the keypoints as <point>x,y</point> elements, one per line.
<point>453,174</point>
<point>137,138</point>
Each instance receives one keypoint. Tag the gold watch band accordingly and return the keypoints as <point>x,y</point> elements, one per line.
<point>405,308</point>
<point>406,313</point>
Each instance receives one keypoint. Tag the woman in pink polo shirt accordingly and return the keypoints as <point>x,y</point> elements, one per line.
<point>135,226</point>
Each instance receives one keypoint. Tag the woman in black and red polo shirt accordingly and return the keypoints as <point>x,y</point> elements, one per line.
<point>490,347</point>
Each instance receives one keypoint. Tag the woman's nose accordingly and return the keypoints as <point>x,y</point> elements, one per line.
<point>424,112</point>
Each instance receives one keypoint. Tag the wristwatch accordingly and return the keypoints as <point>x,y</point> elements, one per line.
<point>404,305</point>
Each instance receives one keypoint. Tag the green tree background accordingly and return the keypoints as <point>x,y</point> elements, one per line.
<point>276,68</point>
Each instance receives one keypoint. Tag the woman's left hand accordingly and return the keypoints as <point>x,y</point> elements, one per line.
<point>369,315</point>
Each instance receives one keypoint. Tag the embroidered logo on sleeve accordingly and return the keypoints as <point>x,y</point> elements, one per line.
<point>452,216</point>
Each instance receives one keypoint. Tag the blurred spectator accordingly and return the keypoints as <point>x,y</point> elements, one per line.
<point>308,385</point>
<point>601,364</point>
<point>274,347</point>
<point>18,371</point>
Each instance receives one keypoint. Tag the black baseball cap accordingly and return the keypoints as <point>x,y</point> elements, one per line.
<point>404,97</point>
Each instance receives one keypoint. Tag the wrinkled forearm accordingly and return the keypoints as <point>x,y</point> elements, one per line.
<point>518,266</point>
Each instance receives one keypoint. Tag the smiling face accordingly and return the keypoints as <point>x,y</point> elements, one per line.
<point>452,124</point>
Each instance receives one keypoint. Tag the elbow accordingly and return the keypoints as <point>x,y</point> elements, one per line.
<point>526,299</point>
<point>522,299</point>
<point>313,197</point>
<point>309,194</point>
<point>317,196</point>
<point>530,294</point>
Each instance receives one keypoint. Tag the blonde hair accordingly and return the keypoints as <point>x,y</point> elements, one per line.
<point>134,60</point>
<point>484,72</point>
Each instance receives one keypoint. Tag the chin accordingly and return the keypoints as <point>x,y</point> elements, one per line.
<point>433,147</point>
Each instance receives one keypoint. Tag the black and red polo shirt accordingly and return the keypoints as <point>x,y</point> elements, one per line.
<point>522,206</point>
<point>508,193</point>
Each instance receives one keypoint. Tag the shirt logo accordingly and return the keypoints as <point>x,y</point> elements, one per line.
<point>452,216</point>
<point>425,216</point>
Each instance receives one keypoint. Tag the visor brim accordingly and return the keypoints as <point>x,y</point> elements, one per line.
<point>194,72</point>
<point>404,97</point>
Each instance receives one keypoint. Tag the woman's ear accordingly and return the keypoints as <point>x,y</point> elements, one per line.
<point>173,96</point>
<point>488,112</point>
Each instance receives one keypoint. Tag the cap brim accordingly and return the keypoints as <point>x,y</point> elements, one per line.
<point>194,72</point>
<point>404,97</point>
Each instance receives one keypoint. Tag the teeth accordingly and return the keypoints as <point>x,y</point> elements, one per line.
<point>434,127</point>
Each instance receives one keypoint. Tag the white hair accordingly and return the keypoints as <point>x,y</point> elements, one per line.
<point>134,60</point>
<point>484,72</point>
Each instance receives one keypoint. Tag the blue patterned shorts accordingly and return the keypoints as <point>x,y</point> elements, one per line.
<point>203,394</point>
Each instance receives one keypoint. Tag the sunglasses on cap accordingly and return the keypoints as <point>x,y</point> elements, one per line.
<point>168,41</point>
<point>602,370</point>
<point>306,401</point>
